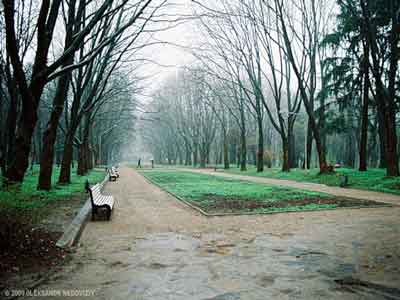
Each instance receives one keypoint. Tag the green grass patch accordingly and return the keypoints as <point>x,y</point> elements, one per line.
<point>215,194</point>
<point>27,197</point>
<point>373,179</point>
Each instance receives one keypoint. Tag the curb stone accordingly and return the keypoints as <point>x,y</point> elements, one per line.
<point>74,230</point>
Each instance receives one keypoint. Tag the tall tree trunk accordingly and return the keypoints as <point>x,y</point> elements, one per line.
<point>195,155</point>
<point>91,158</point>
<point>20,163</point>
<point>226,151</point>
<point>11,122</point>
<point>202,159</point>
<point>50,134</point>
<point>65,172</point>
<point>232,153</point>
<point>391,106</point>
<point>364,113</point>
<point>350,150</point>
<point>180,157</point>
<point>83,149</point>
<point>260,150</point>
<point>238,155</point>
<point>291,149</point>
<point>10,129</point>
<point>188,156</point>
<point>382,140</point>
<point>285,155</point>
<point>309,146</point>
<point>82,159</point>
<point>391,144</point>
<point>243,150</point>
<point>243,144</point>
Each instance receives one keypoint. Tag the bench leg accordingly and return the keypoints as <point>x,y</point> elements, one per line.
<point>108,214</point>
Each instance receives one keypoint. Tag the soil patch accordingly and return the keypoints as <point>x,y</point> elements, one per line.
<point>212,203</point>
<point>25,248</point>
<point>28,250</point>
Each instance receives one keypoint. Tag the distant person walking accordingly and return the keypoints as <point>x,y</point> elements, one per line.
<point>139,165</point>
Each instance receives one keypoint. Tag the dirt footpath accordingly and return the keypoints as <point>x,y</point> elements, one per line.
<point>157,248</point>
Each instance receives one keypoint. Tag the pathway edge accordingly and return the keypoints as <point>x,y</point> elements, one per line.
<point>74,230</point>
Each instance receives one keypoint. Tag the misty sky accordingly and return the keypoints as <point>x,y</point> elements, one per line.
<point>170,57</point>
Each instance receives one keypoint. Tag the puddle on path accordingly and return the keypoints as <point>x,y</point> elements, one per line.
<point>205,267</point>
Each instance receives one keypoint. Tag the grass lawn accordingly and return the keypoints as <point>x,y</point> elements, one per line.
<point>373,179</point>
<point>221,195</point>
<point>27,197</point>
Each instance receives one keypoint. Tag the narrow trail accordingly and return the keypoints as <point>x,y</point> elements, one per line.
<point>316,187</point>
<point>156,248</point>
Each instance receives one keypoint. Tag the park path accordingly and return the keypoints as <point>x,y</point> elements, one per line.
<point>157,248</point>
<point>316,187</point>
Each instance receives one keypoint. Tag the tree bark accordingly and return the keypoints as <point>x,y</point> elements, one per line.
<point>364,114</point>
<point>291,149</point>
<point>82,159</point>
<point>309,145</point>
<point>202,160</point>
<point>83,152</point>
<point>243,150</point>
<point>50,134</point>
<point>285,155</point>
<point>195,155</point>
<point>382,140</point>
<point>260,150</point>
<point>65,172</point>
<point>19,165</point>
<point>11,122</point>
<point>391,144</point>
<point>226,154</point>
<point>188,156</point>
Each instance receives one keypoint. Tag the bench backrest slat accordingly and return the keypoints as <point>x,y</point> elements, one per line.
<point>93,192</point>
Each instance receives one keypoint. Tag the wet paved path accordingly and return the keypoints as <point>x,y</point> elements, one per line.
<point>157,248</point>
<point>316,187</point>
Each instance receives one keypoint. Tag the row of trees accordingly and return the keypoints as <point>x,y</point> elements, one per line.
<point>66,92</point>
<point>290,67</point>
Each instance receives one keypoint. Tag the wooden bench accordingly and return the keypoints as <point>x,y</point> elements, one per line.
<point>115,170</point>
<point>112,176</point>
<point>99,201</point>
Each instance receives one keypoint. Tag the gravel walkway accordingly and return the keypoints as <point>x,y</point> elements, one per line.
<point>157,248</point>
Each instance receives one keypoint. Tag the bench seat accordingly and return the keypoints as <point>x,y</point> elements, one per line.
<point>115,171</point>
<point>99,201</point>
<point>112,175</point>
